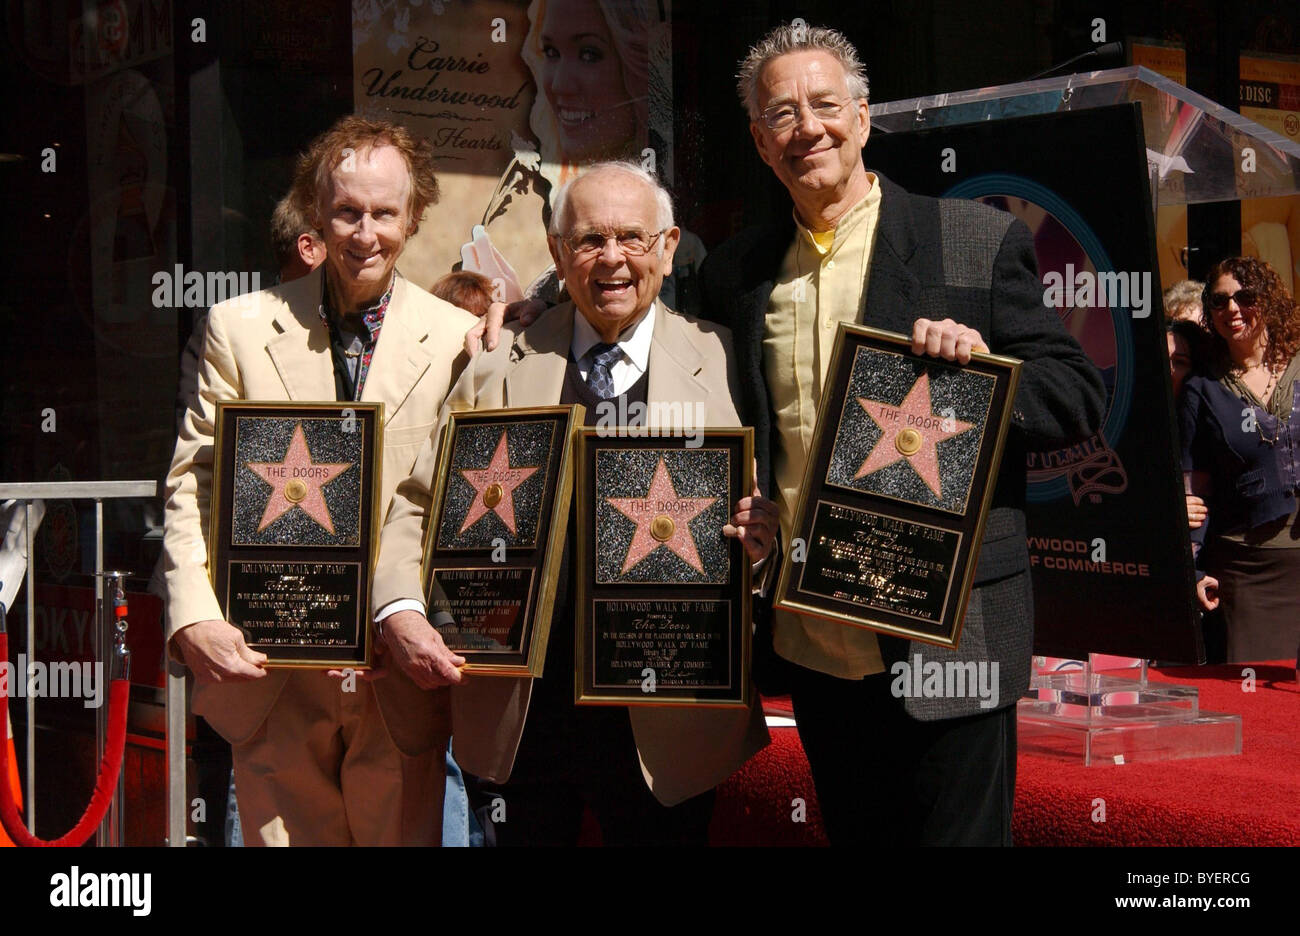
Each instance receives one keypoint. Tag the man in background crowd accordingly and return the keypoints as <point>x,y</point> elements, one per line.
<point>1183,301</point>
<point>295,242</point>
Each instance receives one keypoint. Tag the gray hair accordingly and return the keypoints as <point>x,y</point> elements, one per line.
<point>1185,294</point>
<point>798,37</point>
<point>664,201</point>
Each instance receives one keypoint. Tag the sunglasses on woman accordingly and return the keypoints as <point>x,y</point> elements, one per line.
<point>1245,299</point>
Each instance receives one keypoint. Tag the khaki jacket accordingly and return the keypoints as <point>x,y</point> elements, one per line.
<point>683,752</point>
<point>271,345</point>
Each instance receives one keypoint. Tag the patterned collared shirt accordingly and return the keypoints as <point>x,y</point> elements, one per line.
<point>373,317</point>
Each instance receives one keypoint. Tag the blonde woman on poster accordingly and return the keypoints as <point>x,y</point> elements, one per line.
<point>603,70</point>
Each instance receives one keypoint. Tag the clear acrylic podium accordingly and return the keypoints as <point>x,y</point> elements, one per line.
<point>1105,710</point>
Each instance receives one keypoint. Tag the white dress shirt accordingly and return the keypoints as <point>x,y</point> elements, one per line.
<point>634,341</point>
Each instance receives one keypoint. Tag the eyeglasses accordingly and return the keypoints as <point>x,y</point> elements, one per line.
<point>784,116</point>
<point>633,242</point>
<point>1245,298</point>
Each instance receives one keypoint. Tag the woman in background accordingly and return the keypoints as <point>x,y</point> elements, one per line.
<point>1241,453</point>
<point>1183,301</point>
<point>1186,357</point>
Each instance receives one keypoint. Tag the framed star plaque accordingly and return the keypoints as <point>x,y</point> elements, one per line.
<point>495,542</point>
<point>664,597</point>
<point>900,475</point>
<point>294,527</point>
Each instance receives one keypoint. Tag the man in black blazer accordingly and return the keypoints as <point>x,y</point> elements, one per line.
<point>956,276</point>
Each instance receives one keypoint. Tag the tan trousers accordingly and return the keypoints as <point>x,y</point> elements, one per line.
<point>322,770</point>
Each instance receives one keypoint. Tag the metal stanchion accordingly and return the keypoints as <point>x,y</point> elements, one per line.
<point>30,740</point>
<point>111,830</point>
<point>111,608</point>
<point>176,791</point>
<point>98,643</point>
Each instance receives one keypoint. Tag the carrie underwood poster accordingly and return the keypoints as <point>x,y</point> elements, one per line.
<point>516,97</point>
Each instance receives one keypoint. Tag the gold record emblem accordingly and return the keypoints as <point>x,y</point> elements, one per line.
<point>662,528</point>
<point>492,496</point>
<point>908,442</point>
<point>295,491</point>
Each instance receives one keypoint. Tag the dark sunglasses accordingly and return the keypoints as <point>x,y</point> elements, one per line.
<point>1245,299</point>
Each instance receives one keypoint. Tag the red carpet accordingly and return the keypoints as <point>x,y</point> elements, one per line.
<point>1251,799</point>
<point>745,816</point>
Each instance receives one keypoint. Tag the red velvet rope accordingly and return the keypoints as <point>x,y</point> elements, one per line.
<point>119,694</point>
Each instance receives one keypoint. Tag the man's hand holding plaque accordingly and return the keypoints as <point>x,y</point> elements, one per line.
<point>755,523</point>
<point>949,340</point>
<point>419,650</point>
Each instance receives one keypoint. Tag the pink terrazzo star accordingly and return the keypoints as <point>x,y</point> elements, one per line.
<point>662,519</point>
<point>910,430</point>
<point>494,487</point>
<point>297,482</point>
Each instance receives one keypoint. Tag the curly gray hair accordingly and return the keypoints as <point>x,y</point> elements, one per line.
<point>797,37</point>
<point>1183,299</point>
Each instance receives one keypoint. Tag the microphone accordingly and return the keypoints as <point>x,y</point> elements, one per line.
<point>1106,51</point>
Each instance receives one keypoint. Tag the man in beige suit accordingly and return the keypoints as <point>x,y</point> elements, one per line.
<point>319,760</point>
<point>612,239</point>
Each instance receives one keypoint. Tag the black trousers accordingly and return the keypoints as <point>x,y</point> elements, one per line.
<point>575,758</point>
<point>885,779</point>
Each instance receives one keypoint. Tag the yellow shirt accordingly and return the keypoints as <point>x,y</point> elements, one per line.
<point>822,282</point>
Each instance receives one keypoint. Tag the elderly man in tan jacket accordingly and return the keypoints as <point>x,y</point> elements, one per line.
<point>317,764</point>
<point>646,774</point>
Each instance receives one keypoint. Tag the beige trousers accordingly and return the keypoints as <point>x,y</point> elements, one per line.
<point>322,770</point>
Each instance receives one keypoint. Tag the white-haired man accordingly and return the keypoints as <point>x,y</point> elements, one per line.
<point>647,775</point>
<point>955,276</point>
